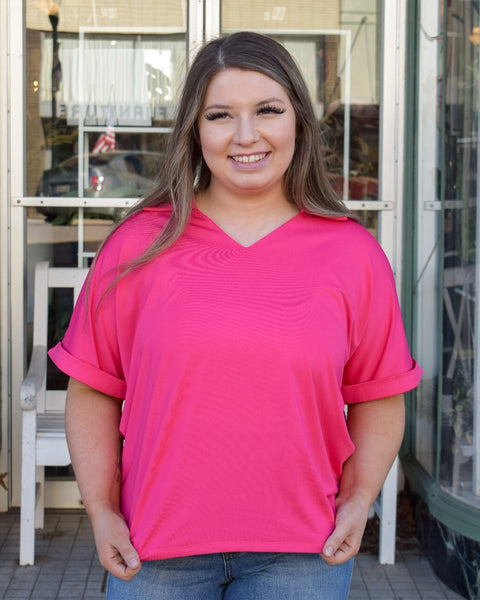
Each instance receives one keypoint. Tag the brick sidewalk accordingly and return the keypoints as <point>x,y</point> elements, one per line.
<point>67,567</point>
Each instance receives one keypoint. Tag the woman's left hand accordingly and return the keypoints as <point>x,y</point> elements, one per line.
<point>376,429</point>
<point>344,542</point>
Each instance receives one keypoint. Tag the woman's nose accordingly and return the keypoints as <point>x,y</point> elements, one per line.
<point>246,131</point>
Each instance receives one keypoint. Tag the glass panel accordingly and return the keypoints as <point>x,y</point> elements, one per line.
<point>102,78</point>
<point>336,44</point>
<point>460,191</point>
<point>426,289</point>
<point>101,83</point>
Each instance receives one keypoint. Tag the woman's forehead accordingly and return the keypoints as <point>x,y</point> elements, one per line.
<point>232,81</point>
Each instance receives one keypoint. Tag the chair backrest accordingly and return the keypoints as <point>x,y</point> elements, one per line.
<point>46,279</point>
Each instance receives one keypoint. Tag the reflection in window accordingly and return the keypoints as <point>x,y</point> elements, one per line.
<point>459,188</point>
<point>101,87</point>
<point>122,80</point>
<point>98,64</point>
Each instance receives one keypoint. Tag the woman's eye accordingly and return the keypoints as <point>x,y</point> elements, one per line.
<point>216,115</point>
<point>266,110</point>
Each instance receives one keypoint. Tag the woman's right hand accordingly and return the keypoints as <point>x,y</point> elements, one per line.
<point>115,550</point>
<point>92,422</point>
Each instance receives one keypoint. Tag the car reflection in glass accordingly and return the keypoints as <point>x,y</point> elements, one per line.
<point>117,174</point>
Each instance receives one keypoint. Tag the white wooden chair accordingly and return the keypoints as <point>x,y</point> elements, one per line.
<point>43,426</point>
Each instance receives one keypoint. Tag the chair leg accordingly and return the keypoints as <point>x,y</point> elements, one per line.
<point>28,492</point>
<point>40,498</point>
<point>388,517</point>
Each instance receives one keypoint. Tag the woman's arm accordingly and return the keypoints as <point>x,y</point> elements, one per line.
<point>92,420</point>
<point>376,429</point>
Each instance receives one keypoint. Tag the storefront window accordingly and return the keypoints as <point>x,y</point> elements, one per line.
<point>459,190</point>
<point>448,279</point>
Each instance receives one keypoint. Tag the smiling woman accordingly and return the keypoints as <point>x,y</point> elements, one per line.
<point>227,321</point>
<point>123,61</point>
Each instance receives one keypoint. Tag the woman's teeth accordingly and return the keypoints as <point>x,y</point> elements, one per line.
<point>249,159</point>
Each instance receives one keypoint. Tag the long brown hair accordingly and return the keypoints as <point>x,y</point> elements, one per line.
<point>184,172</point>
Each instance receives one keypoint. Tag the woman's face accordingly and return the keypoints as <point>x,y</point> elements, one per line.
<point>247,132</point>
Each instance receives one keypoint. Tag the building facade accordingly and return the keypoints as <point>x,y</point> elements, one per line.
<point>87,96</point>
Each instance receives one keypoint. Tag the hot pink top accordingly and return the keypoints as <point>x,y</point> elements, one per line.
<point>235,365</point>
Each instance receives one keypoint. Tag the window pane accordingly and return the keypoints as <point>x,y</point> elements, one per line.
<point>336,44</point>
<point>101,88</point>
<point>460,191</point>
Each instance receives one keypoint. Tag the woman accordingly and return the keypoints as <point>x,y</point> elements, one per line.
<point>235,312</point>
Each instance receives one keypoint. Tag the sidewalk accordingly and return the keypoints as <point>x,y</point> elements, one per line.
<point>67,568</point>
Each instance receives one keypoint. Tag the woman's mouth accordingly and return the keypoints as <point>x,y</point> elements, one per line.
<point>248,159</point>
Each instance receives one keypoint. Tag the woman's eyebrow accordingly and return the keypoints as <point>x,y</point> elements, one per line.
<point>216,106</point>
<point>261,103</point>
<point>270,100</point>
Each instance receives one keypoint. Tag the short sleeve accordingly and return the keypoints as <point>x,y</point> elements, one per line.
<point>379,365</point>
<point>89,351</point>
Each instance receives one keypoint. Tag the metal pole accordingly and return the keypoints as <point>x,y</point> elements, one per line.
<point>56,76</point>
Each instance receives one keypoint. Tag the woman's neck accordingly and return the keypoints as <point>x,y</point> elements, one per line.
<point>246,218</point>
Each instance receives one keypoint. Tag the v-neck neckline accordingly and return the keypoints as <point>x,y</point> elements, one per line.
<point>235,242</point>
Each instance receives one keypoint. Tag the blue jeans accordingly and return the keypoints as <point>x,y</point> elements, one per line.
<point>236,576</point>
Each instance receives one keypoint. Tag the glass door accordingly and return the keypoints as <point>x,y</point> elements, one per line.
<point>100,87</point>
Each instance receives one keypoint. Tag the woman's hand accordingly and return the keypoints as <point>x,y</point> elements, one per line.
<point>115,550</point>
<point>344,542</point>
<point>376,429</point>
<point>92,425</point>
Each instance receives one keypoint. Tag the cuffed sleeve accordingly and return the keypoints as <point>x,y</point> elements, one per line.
<point>88,374</point>
<point>383,388</point>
